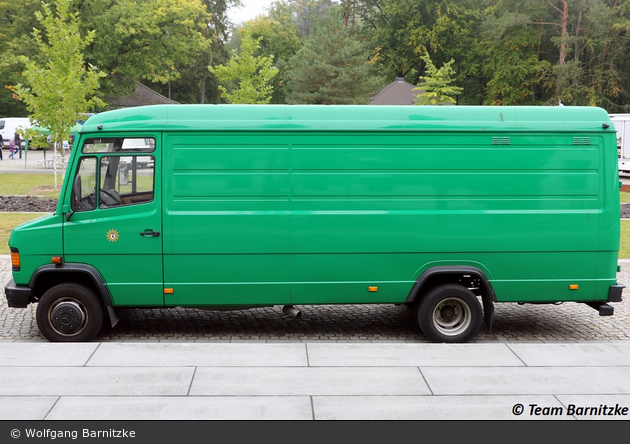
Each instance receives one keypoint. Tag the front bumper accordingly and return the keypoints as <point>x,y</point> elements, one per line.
<point>17,297</point>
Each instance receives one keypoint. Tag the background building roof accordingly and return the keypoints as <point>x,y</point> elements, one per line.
<point>141,95</point>
<point>398,92</point>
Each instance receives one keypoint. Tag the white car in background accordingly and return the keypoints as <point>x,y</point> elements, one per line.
<point>9,125</point>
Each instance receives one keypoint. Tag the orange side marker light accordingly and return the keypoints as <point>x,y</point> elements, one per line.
<point>15,259</point>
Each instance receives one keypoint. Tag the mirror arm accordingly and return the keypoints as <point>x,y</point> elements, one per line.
<point>67,212</point>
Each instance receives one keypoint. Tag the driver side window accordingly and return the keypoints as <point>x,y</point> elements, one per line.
<point>84,187</point>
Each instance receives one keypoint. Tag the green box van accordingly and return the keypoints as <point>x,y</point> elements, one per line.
<point>448,210</point>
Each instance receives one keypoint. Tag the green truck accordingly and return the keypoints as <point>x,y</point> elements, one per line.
<point>447,210</point>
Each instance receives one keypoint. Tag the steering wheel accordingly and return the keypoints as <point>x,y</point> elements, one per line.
<point>113,196</point>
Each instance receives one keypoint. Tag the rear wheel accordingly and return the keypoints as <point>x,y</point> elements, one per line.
<point>69,313</point>
<point>449,313</point>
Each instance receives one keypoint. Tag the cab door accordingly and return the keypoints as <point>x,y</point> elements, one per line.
<point>115,222</point>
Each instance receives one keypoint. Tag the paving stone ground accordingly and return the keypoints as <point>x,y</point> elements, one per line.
<point>338,323</point>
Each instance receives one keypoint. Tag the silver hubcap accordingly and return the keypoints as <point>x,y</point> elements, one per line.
<point>451,317</point>
<point>68,317</point>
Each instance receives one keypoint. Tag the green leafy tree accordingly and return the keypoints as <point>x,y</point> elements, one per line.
<point>436,84</point>
<point>195,84</point>
<point>17,20</point>
<point>546,51</point>
<point>402,30</point>
<point>278,39</point>
<point>166,44</point>
<point>513,69</point>
<point>59,86</point>
<point>148,40</point>
<point>604,54</point>
<point>307,13</point>
<point>333,67</point>
<point>249,75</point>
<point>505,51</point>
<point>616,57</point>
<point>196,79</point>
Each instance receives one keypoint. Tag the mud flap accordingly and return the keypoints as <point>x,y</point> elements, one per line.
<point>488,312</point>
<point>113,317</point>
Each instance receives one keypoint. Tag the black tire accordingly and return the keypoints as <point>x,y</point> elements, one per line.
<point>69,313</point>
<point>449,313</point>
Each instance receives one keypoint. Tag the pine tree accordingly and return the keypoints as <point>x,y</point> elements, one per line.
<point>333,67</point>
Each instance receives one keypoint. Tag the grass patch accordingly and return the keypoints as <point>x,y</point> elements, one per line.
<point>29,185</point>
<point>8,221</point>
<point>624,197</point>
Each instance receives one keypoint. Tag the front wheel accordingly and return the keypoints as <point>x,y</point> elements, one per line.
<point>449,313</point>
<point>69,313</point>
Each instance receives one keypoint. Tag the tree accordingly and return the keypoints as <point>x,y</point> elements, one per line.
<point>574,51</point>
<point>149,40</point>
<point>616,58</point>
<point>403,30</point>
<point>333,67</point>
<point>16,24</point>
<point>195,83</point>
<point>505,52</point>
<point>280,40</point>
<point>604,54</point>
<point>437,84</point>
<point>58,84</point>
<point>196,79</point>
<point>513,69</point>
<point>250,75</point>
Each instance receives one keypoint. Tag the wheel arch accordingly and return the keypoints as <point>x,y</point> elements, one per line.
<point>470,277</point>
<point>47,276</point>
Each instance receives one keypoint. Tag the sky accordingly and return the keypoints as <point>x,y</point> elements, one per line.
<point>250,9</point>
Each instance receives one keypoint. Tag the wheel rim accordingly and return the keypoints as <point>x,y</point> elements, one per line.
<point>68,317</point>
<point>452,316</point>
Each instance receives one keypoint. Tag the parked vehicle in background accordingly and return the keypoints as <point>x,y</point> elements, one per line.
<point>46,138</point>
<point>622,125</point>
<point>447,210</point>
<point>9,125</point>
<point>137,145</point>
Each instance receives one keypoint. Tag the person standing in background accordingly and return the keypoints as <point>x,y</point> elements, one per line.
<point>18,143</point>
<point>1,146</point>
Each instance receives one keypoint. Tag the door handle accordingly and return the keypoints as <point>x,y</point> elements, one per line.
<point>149,233</point>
